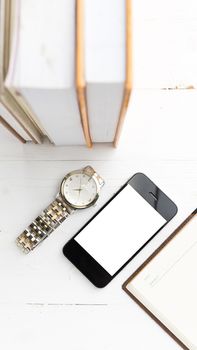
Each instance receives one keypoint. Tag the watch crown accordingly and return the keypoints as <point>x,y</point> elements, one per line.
<point>89,170</point>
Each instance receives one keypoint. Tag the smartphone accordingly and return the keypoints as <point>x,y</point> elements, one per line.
<point>119,230</point>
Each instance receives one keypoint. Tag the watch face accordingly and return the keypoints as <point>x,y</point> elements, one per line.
<point>79,189</point>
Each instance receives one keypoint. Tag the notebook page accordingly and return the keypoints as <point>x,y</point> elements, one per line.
<point>167,285</point>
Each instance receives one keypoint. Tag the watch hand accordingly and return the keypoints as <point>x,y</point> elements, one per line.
<point>79,195</point>
<point>88,181</point>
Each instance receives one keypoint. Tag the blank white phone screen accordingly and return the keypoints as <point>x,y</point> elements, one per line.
<point>120,229</point>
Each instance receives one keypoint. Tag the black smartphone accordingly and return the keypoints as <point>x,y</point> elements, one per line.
<point>119,230</point>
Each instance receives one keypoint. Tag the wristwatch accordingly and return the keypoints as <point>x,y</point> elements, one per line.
<point>79,189</point>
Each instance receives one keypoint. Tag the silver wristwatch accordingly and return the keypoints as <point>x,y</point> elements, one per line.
<point>79,189</point>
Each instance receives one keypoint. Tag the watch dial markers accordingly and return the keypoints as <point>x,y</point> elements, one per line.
<point>80,189</point>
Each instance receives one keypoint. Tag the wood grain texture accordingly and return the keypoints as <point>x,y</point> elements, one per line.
<point>43,294</point>
<point>43,288</point>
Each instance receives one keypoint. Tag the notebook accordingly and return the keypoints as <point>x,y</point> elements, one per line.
<point>103,66</point>
<point>14,117</point>
<point>165,285</point>
<point>41,72</point>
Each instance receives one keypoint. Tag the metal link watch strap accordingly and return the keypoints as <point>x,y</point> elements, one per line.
<point>44,224</point>
<point>90,171</point>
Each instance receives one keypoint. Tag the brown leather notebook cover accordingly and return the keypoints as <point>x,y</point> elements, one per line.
<point>125,285</point>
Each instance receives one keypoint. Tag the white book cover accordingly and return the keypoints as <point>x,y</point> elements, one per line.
<point>43,67</point>
<point>104,49</point>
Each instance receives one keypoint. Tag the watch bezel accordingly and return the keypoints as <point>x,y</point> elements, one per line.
<point>80,171</point>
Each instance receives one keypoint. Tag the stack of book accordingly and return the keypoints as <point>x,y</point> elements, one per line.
<point>65,69</point>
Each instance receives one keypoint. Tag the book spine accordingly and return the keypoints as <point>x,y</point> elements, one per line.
<point>11,130</point>
<point>17,111</point>
<point>128,79</point>
<point>80,80</point>
<point>19,116</point>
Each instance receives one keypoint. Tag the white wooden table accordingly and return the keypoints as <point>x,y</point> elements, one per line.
<point>45,302</point>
